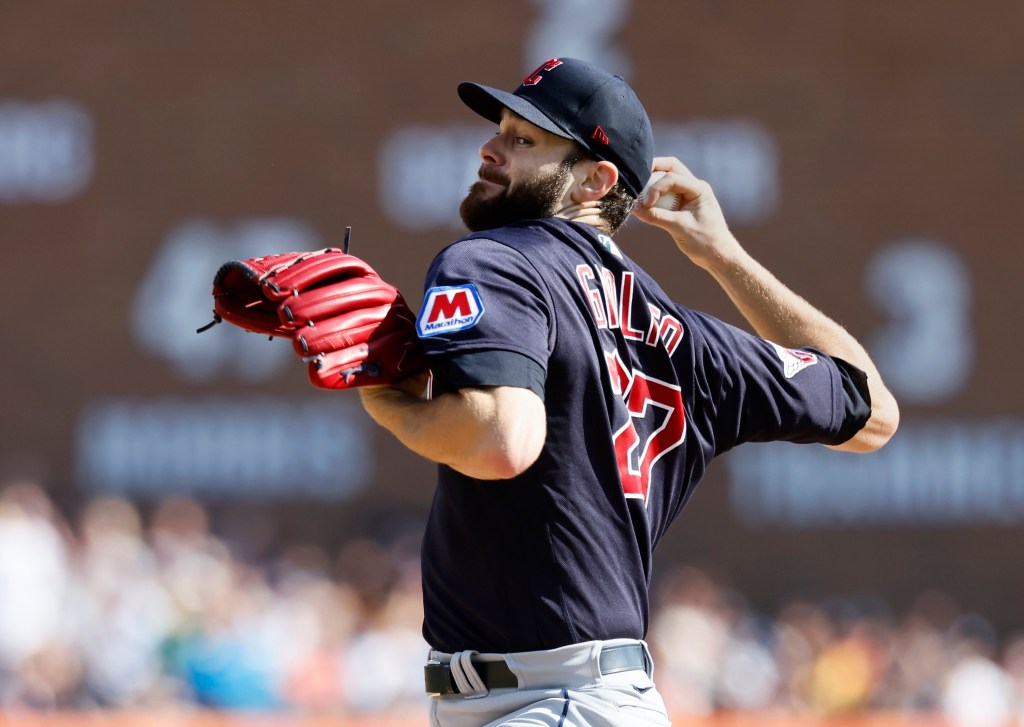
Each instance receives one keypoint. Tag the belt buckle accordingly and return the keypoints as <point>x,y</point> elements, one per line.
<point>624,657</point>
<point>437,679</point>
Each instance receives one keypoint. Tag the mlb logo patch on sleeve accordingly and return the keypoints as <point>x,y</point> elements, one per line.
<point>449,309</point>
<point>794,360</point>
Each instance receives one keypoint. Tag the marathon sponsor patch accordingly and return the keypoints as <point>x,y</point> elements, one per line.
<point>794,360</point>
<point>449,309</point>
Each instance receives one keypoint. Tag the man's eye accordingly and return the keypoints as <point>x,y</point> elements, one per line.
<point>522,141</point>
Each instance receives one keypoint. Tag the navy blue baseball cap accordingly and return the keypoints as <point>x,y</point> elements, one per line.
<point>577,100</point>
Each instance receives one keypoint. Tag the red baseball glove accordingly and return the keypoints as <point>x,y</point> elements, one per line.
<point>348,325</point>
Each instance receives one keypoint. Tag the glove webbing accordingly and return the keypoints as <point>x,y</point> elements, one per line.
<point>344,248</point>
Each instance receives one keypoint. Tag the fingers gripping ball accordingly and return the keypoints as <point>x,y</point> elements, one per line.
<point>348,325</point>
<point>671,201</point>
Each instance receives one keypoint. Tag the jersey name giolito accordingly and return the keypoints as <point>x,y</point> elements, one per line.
<point>612,302</point>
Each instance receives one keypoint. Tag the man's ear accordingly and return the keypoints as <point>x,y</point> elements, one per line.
<point>596,180</point>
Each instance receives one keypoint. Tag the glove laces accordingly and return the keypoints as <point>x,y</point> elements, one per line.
<point>216,319</point>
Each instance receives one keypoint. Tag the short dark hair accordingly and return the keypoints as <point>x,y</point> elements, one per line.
<point>615,206</point>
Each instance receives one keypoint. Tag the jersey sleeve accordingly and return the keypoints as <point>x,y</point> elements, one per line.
<point>487,368</point>
<point>483,295</point>
<point>754,390</point>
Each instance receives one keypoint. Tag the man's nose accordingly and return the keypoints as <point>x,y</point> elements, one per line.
<point>490,152</point>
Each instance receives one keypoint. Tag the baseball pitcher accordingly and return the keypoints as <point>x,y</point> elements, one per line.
<point>572,406</point>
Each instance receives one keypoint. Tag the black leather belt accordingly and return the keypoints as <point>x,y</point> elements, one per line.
<point>496,674</point>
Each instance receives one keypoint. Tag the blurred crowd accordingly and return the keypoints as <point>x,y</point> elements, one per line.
<point>114,609</point>
<point>838,656</point>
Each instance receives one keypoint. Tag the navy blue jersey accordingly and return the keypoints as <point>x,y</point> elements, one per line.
<point>640,393</point>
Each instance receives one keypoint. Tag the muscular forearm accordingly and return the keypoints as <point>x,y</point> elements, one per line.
<point>776,313</point>
<point>490,434</point>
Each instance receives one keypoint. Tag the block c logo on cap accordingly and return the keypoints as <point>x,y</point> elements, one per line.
<point>448,309</point>
<point>534,78</point>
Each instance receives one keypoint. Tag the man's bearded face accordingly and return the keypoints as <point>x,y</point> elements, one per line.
<point>534,198</point>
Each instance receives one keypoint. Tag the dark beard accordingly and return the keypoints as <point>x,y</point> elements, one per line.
<point>530,200</point>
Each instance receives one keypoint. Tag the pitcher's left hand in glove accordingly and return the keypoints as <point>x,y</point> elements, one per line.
<point>350,327</point>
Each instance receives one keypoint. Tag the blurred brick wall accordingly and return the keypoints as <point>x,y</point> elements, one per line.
<point>870,126</point>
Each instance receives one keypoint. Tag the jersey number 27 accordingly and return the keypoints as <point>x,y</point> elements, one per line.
<point>656,424</point>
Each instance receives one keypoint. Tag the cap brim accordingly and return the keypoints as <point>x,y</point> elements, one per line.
<point>488,102</point>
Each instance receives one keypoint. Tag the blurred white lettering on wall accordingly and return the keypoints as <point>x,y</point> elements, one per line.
<point>46,151</point>
<point>173,299</point>
<point>926,352</point>
<point>425,172</point>
<point>578,29</point>
<point>738,157</point>
<point>935,473</point>
<point>219,448</point>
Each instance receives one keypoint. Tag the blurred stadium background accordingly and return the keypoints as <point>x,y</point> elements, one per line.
<point>190,534</point>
